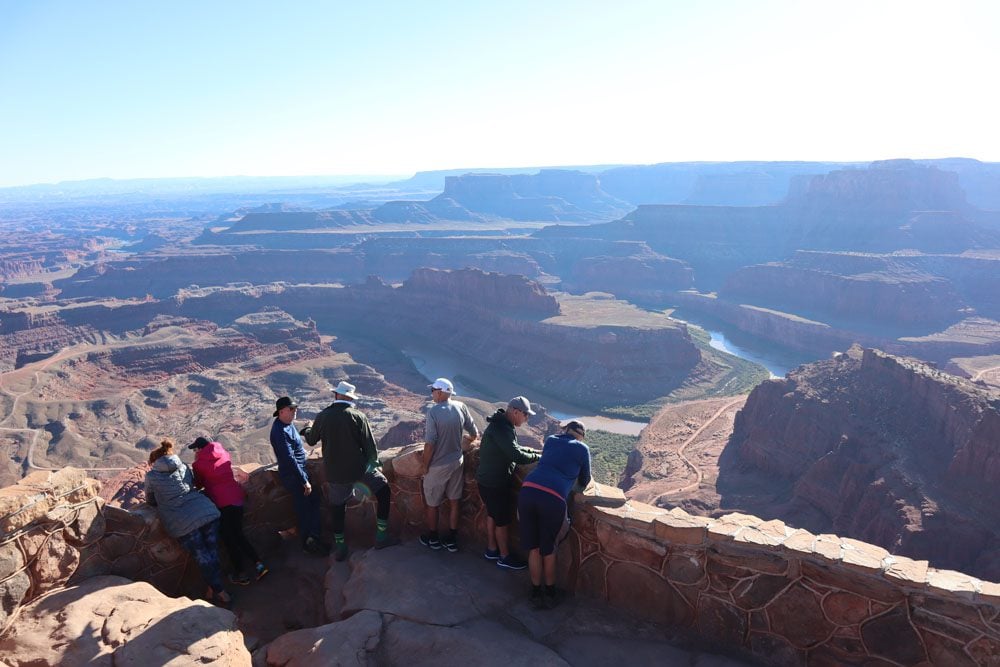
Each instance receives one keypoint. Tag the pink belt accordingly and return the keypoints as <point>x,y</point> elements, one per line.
<point>543,488</point>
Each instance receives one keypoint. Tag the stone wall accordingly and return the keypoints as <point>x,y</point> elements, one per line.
<point>738,583</point>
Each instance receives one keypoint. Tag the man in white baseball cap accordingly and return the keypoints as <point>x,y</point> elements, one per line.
<point>444,478</point>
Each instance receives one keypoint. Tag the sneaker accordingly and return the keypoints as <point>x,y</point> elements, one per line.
<point>450,543</point>
<point>431,541</point>
<point>491,554</point>
<point>315,547</point>
<point>239,579</point>
<point>511,562</point>
<point>340,553</point>
<point>387,541</point>
<point>260,570</point>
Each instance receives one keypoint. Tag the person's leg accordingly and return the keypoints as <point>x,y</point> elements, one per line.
<point>454,514</point>
<point>230,525</point>
<point>549,562</point>
<point>302,512</point>
<point>339,541</point>
<point>202,544</point>
<point>244,544</point>
<point>491,533</point>
<point>503,541</point>
<point>431,519</point>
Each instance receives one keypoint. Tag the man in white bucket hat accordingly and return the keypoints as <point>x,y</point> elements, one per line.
<point>350,457</point>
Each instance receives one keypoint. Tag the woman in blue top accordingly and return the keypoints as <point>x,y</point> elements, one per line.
<point>541,505</point>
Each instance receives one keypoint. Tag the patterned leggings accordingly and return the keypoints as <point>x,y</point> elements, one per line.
<point>203,543</point>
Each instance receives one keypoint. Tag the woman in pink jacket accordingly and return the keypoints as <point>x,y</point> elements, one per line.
<point>213,472</point>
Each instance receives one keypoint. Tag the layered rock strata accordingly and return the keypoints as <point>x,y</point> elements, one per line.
<point>877,447</point>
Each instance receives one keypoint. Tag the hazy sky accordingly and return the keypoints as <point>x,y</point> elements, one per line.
<point>103,88</point>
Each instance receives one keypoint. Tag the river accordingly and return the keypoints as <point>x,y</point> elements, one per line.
<point>433,364</point>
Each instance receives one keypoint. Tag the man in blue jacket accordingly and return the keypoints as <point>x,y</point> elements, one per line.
<point>291,455</point>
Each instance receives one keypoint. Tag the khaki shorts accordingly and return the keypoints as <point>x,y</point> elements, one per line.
<point>443,481</point>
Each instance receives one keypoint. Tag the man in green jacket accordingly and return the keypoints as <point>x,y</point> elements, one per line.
<point>498,454</point>
<point>350,458</point>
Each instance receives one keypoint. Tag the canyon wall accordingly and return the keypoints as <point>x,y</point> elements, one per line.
<point>880,448</point>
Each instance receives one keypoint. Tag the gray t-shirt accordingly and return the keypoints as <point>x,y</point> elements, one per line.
<point>445,423</point>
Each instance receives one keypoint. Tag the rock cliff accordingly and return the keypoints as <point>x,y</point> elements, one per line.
<point>877,447</point>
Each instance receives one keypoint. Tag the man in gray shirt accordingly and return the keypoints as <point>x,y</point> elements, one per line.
<point>443,474</point>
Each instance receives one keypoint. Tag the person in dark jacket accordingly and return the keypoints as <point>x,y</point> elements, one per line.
<point>187,515</point>
<point>498,454</point>
<point>542,505</point>
<point>213,472</point>
<point>287,445</point>
<point>350,457</point>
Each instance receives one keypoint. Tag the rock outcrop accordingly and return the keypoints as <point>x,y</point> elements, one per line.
<point>876,447</point>
<point>109,621</point>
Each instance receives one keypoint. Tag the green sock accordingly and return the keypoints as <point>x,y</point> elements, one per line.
<point>381,526</point>
<point>338,538</point>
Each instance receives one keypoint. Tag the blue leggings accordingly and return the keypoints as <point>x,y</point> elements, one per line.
<point>542,515</point>
<point>203,543</point>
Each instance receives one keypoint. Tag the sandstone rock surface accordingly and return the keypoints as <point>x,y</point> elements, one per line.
<point>114,621</point>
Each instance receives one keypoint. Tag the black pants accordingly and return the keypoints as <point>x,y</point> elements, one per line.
<point>231,528</point>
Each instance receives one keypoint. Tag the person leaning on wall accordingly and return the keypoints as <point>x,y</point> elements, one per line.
<point>541,505</point>
<point>187,515</point>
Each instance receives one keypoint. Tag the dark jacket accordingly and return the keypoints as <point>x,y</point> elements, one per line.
<point>499,452</point>
<point>169,489</point>
<point>348,444</point>
<point>287,446</point>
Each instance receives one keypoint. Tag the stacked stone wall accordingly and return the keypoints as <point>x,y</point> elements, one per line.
<point>737,583</point>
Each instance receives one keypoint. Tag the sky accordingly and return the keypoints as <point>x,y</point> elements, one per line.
<point>126,89</point>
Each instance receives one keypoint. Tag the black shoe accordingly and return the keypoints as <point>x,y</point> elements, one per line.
<point>511,562</point>
<point>429,540</point>
<point>550,598</point>
<point>450,543</point>
<point>315,547</point>
<point>491,554</point>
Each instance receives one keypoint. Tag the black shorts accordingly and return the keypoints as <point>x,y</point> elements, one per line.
<point>542,517</point>
<point>498,503</point>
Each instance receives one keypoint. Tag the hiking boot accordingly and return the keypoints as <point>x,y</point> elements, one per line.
<point>511,562</point>
<point>340,553</point>
<point>260,569</point>
<point>550,598</point>
<point>491,554</point>
<point>537,599</point>
<point>450,543</point>
<point>430,540</point>
<point>387,541</point>
<point>239,579</point>
<point>315,547</point>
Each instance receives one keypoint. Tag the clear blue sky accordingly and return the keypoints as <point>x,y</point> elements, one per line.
<point>212,88</point>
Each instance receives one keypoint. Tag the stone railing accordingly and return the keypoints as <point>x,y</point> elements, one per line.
<point>738,583</point>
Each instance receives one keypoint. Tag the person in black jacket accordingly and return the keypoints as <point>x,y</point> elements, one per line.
<point>350,458</point>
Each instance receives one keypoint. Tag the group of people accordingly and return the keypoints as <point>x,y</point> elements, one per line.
<point>196,506</point>
<point>542,502</point>
<point>351,463</point>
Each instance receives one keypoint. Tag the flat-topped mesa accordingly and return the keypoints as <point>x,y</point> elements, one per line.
<point>500,292</point>
<point>879,448</point>
<point>886,186</point>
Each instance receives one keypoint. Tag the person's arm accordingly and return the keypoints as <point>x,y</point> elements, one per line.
<point>469,425</point>
<point>430,437</point>
<point>282,445</point>
<point>368,446</point>
<point>518,454</point>
<point>150,496</point>
<point>583,479</point>
<point>311,433</point>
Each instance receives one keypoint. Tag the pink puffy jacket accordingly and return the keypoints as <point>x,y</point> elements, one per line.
<point>213,470</point>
